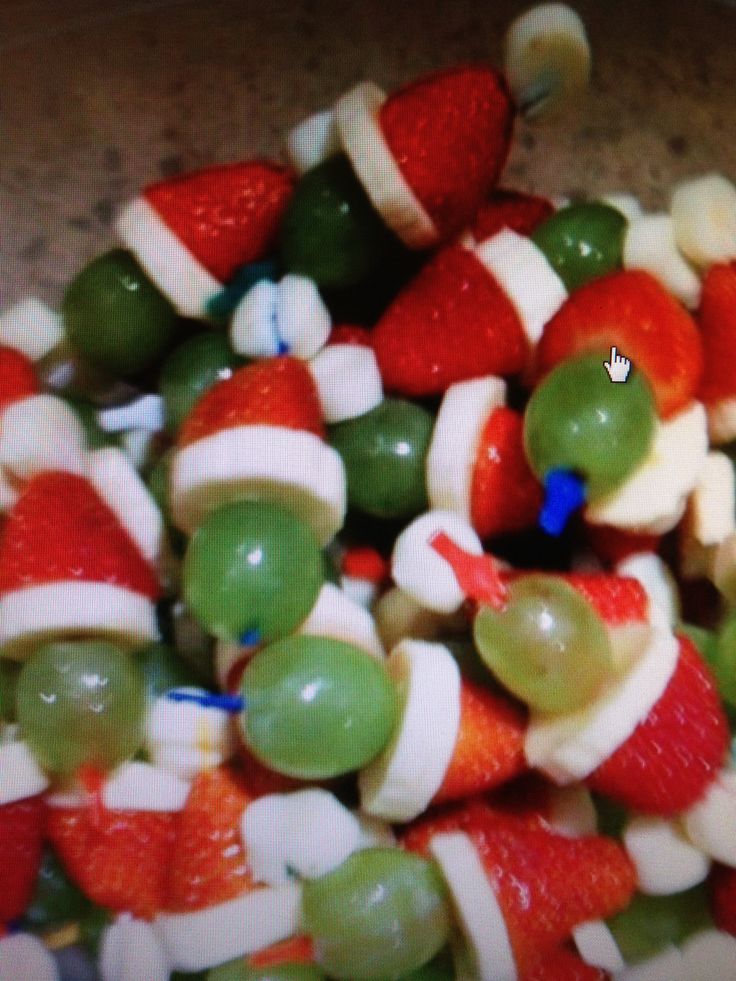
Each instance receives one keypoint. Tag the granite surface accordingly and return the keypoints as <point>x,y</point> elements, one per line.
<point>97,98</point>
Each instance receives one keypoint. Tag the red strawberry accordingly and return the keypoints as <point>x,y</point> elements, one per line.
<point>296,950</point>
<point>273,392</point>
<point>717,320</point>
<point>61,529</point>
<point>17,377</point>
<point>617,600</point>
<point>450,133</point>
<point>258,780</point>
<point>21,836</point>
<point>490,744</point>
<point>505,494</point>
<point>117,858</point>
<point>349,334</point>
<point>667,763</point>
<point>207,864</point>
<point>226,216</point>
<point>613,545</point>
<point>632,311</point>
<point>562,965</point>
<point>364,562</point>
<point>722,887</point>
<point>522,213</point>
<point>452,322</point>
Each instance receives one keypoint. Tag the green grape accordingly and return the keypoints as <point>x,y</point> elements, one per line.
<point>115,317</point>
<point>162,669</point>
<point>316,707</point>
<point>9,671</point>
<point>577,420</point>
<point>650,923</point>
<point>582,242</point>
<point>80,702</point>
<point>252,567</point>
<point>87,415</point>
<point>330,231</point>
<point>548,646</point>
<point>380,915</point>
<point>192,369</point>
<point>56,899</point>
<point>723,660</point>
<point>238,971</point>
<point>441,968</point>
<point>384,453</point>
<point>705,640</point>
<point>93,925</point>
<point>612,817</point>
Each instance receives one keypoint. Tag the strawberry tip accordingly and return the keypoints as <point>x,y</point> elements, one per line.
<point>477,575</point>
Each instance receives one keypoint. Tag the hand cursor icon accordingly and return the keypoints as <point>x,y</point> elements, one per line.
<point>618,368</point>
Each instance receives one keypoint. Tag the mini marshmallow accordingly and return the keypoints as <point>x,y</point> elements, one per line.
<point>348,381</point>
<point>39,433</point>
<point>313,141</point>
<point>31,327</point>
<point>277,318</point>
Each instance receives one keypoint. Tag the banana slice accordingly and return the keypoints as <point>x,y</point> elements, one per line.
<point>130,950</point>
<point>20,774</point>
<point>704,217</point>
<point>313,141</point>
<point>628,204</point>
<point>398,616</point>
<point>32,328</point>
<point>23,957</point>
<point>710,955</point>
<point>348,381</point>
<point>711,823</point>
<point>650,244</point>
<point>335,615</point>
<point>655,576</point>
<point>712,504</point>
<point>596,946</point>
<point>666,861</point>
<point>39,433</point>
<point>547,58</point>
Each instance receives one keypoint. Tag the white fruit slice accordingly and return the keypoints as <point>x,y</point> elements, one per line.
<point>572,812</point>
<point>667,965</point>
<point>130,951</point>
<point>364,592</point>
<point>711,823</point>
<point>184,738</point>
<point>712,504</point>
<point>170,264</point>
<point>313,141</point>
<point>627,204</point>
<point>374,833</point>
<point>465,409</point>
<point>23,957</point>
<point>288,466</point>
<point>421,571</point>
<point>139,446</point>
<point>655,576</point>
<point>199,940</point>
<point>303,321</point>
<point>666,861</point>
<point>336,615</point>
<point>523,272</point>
<point>710,955</point>
<point>597,947</point>
<point>146,412</point>
<point>119,485</point>
<point>253,329</point>
<point>20,774</point>
<point>547,58</point>
<point>704,215</point>
<point>399,784</point>
<point>480,916</point>
<point>722,421</point>
<point>356,114</point>
<point>399,616</point>
<point>569,747</point>
<point>137,786</point>
<point>307,834</point>
<point>31,327</point>
<point>348,381</point>
<point>39,433</point>
<point>652,500</point>
<point>36,613</point>
<point>650,244</point>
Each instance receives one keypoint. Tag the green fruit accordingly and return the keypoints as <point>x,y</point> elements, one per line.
<point>650,923</point>
<point>239,971</point>
<point>723,660</point>
<point>87,415</point>
<point>582,242</point>
<point>9,671</point>
<point>316,707</point>
<point>384,453</point>
<point>56,899</point>
<point>93,925</point>
<point>193,368</point>
<point>162,669</point>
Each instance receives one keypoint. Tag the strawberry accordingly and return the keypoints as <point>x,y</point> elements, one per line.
<point>722,889</point>
<point>632,311</point>
<point>364,562</point>
<point>450,323</point>
<point>22,825</point>
<point>227,215</point>
<point>117,858</point>
<point>505,494</point>
<point>562,965</point>
<point>272,392</point>
<point>617,600</point>
<point>295,950</point>
<point>490,744</point>
<point>717,320</point>
<point>207,864</point>
<point>349,334</point>
<point>61,529</point>
<point>613,545</point>
<point>17,377</point>
<point>667,763</point>
<point>449,133</point>
<point>520,212</point>
<point>258,780</point>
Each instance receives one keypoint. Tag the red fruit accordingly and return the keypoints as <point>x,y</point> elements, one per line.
<point>490,744</point>
<point>505,494</point>
<point>21,837</point>
<point>562,965</point>
<point>60,529</point>
<point>349,334</point>
<point>717,320</point>
<point>117,858</point>
<point>632,311</point>
<point>452,322</point>
<point>226,216</point>
<point>295,950</point>
<point>364,562</point>
<point>668,762</point>
<point>613,545</point>
<point>258,780</point>
<point>208,864</point>
<point>273,392</point>
<point>617,600</point>
<point>450,133</point>
<point>722,887</point>
<point>522,213</point>
<point>17,377</point>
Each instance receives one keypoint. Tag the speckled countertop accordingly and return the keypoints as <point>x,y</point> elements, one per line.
<point>97,98</point>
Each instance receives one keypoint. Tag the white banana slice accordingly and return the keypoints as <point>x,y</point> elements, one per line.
<point>20,774</point>
<point>711,823</point>
<point>137,786</point>
<point>335,615</point>
<point>313,141</point>
<point>629,205</point>
<point>596,946</point>
<point>146,412</point>
<point>667,965</point>
<point>348,381</point>
<point>253,329</point>
<point>655,576</point>
<point>666,861</point>
<point>547,58</point>
<point>24,957</point>
<point>184,738</point>
<point>31,327</point>
<point>303,321</point>
<point>398,616</point>
<point>40,433</point>
<point>710,955</point>
<point>364,592</point>
<point>704,215</point>
<point>130,951</point>
<point>650,244</point>
<point>712,504</point>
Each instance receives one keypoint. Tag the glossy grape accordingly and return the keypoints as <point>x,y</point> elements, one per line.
<point>239,971</point>
<point>577,419</point>
<point>56,899</point>
<point>723,660</point>
<point>80,702</point>
<point>582,242</point>
<point>650,923</point>
<point>316,707</point>
<point>380,915</point>
<point>384,453</point>
<point>441,968</point>
<point>162,669</point>
<point>9,671</point>
<point>252,567</point>
<point>548,646</point>
<point>191,370</point>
